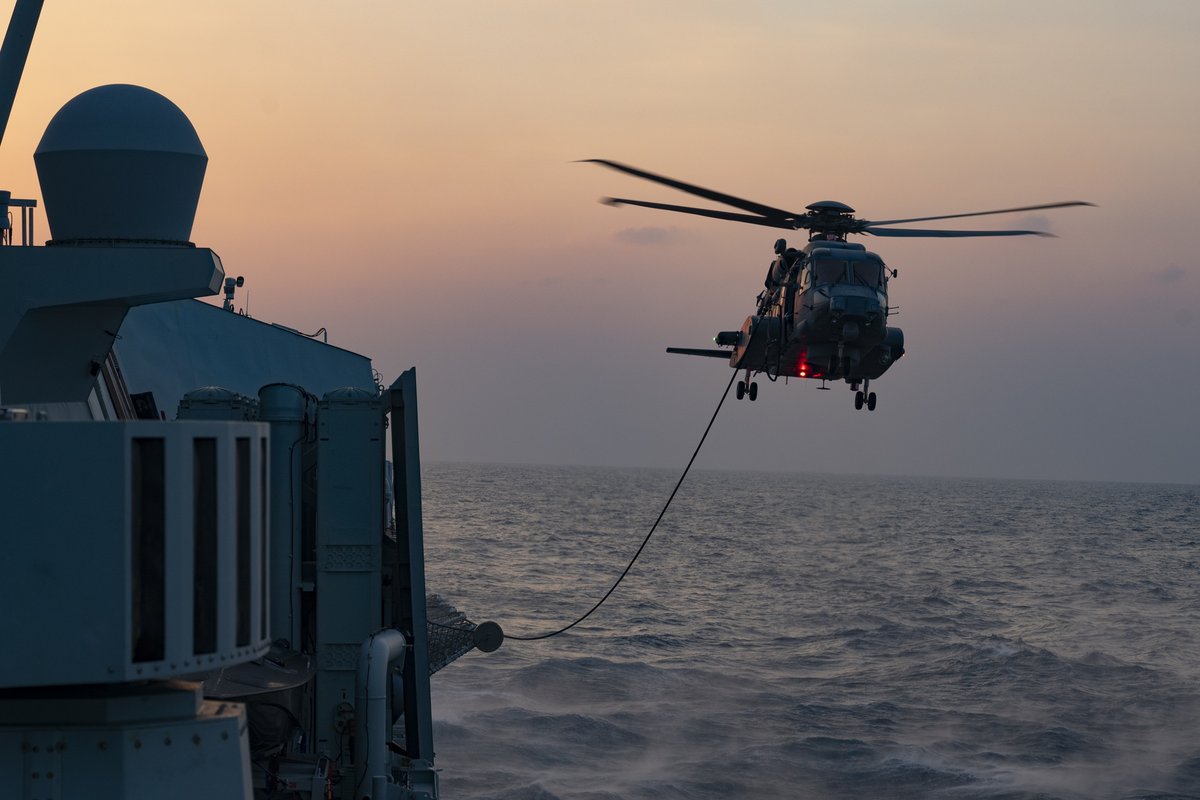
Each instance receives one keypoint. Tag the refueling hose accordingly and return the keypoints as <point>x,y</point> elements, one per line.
<point>653,528</point>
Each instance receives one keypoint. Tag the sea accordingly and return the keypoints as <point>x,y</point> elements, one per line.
<point>817,636</point>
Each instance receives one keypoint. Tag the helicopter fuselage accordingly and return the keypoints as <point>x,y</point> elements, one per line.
<point>823,315</point>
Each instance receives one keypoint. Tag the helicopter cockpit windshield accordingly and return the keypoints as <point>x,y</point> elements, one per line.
<point>868,273</point>
<point>830,270</point>
<point>861,271</point>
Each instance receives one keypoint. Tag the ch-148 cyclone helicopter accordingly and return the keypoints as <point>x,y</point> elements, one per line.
<point>823,314</point>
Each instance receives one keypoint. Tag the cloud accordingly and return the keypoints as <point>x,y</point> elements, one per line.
<point>651,236</point>
<point>1032,222</point>
<point>1171,274</point>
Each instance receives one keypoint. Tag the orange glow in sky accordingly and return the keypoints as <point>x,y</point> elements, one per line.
<point>403,174</point>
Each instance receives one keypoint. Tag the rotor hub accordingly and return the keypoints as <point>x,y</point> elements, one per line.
<point>830,207</point>
<point>829,218</point>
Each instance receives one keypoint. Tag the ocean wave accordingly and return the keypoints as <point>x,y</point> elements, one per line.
<point>933,639</point>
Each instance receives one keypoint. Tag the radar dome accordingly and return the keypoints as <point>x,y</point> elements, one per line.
<point>120,163</point>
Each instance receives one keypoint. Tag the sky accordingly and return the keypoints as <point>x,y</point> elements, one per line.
<point>404,174</point>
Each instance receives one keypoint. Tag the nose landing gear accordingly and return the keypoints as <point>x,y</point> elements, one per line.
<point>864,396</point>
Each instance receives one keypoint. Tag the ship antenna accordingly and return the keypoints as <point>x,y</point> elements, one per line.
<point>13,54</point>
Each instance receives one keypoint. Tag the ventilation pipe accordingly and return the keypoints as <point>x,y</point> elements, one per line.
<point>373,711</point>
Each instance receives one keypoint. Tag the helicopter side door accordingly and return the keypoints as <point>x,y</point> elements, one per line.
<point>800,301</point>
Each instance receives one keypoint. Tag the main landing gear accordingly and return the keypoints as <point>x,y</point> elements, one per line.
<point>747,387</point>
<point>864,396</point>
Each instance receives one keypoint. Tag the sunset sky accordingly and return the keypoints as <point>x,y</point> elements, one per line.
<point>403,174</point>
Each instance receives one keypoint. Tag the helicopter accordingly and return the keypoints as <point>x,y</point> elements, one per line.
<point>824,309</point>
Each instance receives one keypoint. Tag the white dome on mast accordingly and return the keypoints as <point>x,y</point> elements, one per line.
<point>120,163</point>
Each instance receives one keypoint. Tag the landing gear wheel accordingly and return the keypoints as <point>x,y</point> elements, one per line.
<point>858,401</point>
<point>871,402</point>
<point>753,392</point>
<point>741,390</point>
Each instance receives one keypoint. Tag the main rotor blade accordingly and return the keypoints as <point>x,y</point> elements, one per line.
<point>980,213</point>
<point>945,234</point>
<point>699,191</point>
<point>703,212</point>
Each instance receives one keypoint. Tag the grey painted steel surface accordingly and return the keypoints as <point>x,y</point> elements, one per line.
<point>409,614</point>
<point>120,162</point>
<point>217,403</point>
<point>72,540</point>
<point>291,412</point>
<point>171,348</point>
<point>142,742</point>
<point>62,307</point>
<point>156,561</point>
<point>349,545</point>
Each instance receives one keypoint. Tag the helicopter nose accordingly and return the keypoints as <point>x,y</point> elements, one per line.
<point>854,306</point>
<point>849,331</point>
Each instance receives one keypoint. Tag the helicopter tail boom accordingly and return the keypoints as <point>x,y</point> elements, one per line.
<point>697,351</point>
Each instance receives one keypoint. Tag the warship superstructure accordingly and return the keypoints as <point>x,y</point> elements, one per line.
<point>228,603</point>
